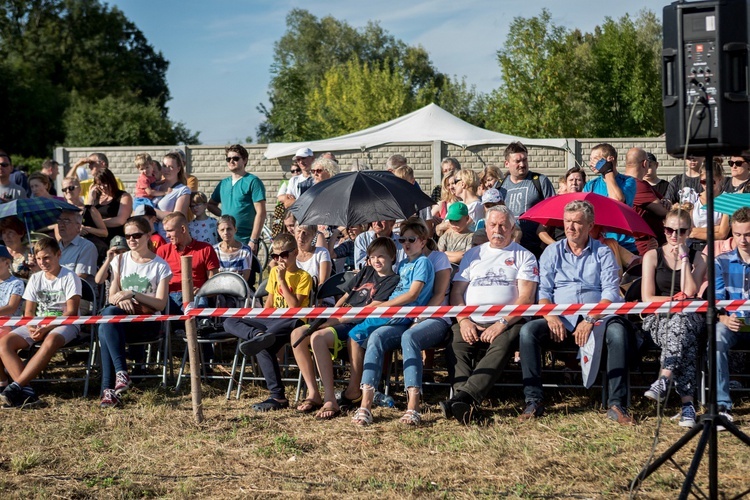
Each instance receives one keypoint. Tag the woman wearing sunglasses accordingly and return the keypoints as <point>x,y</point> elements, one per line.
<point>669,274</point>
<point>140,285</point>
<point>698,236</point>
<point>739,179</point>
<point>93,228</point>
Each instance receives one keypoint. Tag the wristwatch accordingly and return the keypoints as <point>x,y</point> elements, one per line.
<point>254,240</point>
<point>503,321</point>
<point>590,319</point>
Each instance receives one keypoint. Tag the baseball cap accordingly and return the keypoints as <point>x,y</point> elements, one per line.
<point>4,253</point>
<point>492,195</point>
<point>119,243</point>
<point>144,210</point>
<point>651,157</point>
<point>303,153</point>
<point>457,210</point>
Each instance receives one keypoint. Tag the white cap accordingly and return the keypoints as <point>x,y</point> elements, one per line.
<point>303,153</point>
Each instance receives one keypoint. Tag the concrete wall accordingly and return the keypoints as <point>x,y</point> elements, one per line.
<point>208,165</point>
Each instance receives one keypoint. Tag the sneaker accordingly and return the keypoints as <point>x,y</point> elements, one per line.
<point>658,390</point>
<point>687,415</point>
<point>620,415</point>
<point>109,399</point>
<point>15,396</point>
<point>534,409</point>
<point>122,383</point>
<point>724,412</point>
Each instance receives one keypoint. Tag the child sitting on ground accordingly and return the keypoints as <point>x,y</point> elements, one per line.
<point>233,255</point>
<point>288,286</point>
<point>203,227</point>
<point>457,240</point>
<point>53,291</point>
<point>145,193</point>
<point>373,285</point>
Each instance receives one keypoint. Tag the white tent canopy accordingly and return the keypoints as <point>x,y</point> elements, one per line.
<point>431,123</point>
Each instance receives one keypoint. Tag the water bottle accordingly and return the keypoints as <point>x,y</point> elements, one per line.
<point>383,400</point>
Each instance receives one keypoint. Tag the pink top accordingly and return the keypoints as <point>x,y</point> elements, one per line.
<point>141,184</point>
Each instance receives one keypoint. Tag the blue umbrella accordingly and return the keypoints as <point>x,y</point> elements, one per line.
<point>729,203</point>
<point>36,213</point>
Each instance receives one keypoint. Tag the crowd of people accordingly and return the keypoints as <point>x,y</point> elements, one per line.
<point>469,248</point>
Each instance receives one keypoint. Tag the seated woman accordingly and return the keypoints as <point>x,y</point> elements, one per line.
<point>113,204</point>
<point>698,236</point>
<point>13,233</point>
<point>140,285</point>
<point>315,260</point>
<point>675,333</point>
<point>93,228</point>
<point>40,185</point>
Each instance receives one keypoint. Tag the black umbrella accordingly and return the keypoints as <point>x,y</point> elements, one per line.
<point>359,198</point>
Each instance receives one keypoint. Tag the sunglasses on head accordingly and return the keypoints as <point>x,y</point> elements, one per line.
<point>681,231</point>
<point>282,255</point>
<point>134,236</point>
<point>410,239</point>
<point>736,163</point>
<point>233,158</point>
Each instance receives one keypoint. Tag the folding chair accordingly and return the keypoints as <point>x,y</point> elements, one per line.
<point>162,343</point>
<point>229,290</point>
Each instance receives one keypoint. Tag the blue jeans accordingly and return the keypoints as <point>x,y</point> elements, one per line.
<point>535,333</point>
<point>383,340</point>
<point>726,339</point>
<point>112,338</point>
<point>423,335</point>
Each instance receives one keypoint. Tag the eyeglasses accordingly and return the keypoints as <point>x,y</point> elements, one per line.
<point>134,236</point>
<point>69,189</point>
<point>703,182</point>
<point>318,170</point>
<point>736,163</point>
<point>4,164</point>
<point>65,222</point>
<point>456,181</point>
<point>295,171</point>
<point>681,231</point>
<point>410,239</point>
<point>282,255</point>
<point>233,158</point>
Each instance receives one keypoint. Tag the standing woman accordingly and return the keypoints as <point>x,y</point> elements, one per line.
<point>677,333</point>
<point>177,198</point>
<point>140,285</point>
<point>490,179</point>
<point>465,184</point>
<point>93,228</point>
<point>113,204</point>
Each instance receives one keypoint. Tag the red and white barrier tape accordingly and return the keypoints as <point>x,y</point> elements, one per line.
<point>487,311</point>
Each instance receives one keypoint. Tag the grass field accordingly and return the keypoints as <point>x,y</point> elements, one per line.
<point>152,448</point>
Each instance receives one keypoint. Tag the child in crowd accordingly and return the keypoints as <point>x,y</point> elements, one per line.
<point>373,285</point>
<point>53,291</point>
<point>490,198</point>
<point>233,255</point>
<point>145,194</point>
<point>457,240</point>
<point>11,288</point>
<point>149,213</point>
<point>203,227</point>
<point>415,286</point>
<point>288,286</point>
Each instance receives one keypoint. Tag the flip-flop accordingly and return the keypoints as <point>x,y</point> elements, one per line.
<point>254,345</point>
<point>309,406</point>
<point>270,404</point>
<point>327,413</point>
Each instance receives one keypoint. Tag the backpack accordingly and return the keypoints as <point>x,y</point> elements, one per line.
<point>534,179</point>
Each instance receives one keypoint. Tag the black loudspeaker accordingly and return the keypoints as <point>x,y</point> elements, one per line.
<point>705,58</point>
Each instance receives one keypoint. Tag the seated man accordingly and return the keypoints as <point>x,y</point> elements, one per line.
<point>53,291</point>
<point>574,270</point>
<point>498,272</point>
<point>731,330</point>
<point>378,228</point>
<point>288,286</point>
<point>78,254</point>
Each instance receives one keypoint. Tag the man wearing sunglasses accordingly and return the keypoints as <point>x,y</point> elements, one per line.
<point>241,195</point>
<point>8,189</point>
<point>303,159</point>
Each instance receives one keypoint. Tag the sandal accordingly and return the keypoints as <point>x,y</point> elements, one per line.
<point>270,404</point>
<point>363,417</point>
<point>309,406</point>
<point>411,417</point>
<point>327,413</point>
<point>346,404</point>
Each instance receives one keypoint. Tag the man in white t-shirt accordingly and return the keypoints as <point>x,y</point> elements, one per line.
<point>497,272</point>
<point>299,184</point>
<point>53,291</point>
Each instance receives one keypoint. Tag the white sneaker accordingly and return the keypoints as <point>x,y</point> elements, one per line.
<point>724,413</point>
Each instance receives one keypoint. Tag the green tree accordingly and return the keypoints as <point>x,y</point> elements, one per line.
<point>124,121</point>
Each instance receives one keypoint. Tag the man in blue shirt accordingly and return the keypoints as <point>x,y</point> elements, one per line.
<point>612,184</point>
<point>243,196</point>
<point>575,270</point>
<point>732,282</point>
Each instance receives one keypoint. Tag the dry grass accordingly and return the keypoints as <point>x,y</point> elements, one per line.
<point>152,448</point>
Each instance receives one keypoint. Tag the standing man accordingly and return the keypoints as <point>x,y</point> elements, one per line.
<point>243,196</point>
<point>522,189</point>
<point>50,168</point>
<point>647,202</point>
<point>576,270</point>
<point>95,163</point>
<point>8,189</point>
<point>300,183</point>
<point>659,185</point>
<point>612,184</point>
<point>687,186</point>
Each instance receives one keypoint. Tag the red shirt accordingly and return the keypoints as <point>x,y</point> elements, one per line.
<point>204,260</point>
<point>644,195</point>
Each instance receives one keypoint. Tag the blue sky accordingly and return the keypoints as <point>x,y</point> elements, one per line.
<point>220,51</point>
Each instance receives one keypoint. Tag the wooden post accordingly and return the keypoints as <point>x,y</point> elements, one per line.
<point>186,264</point>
